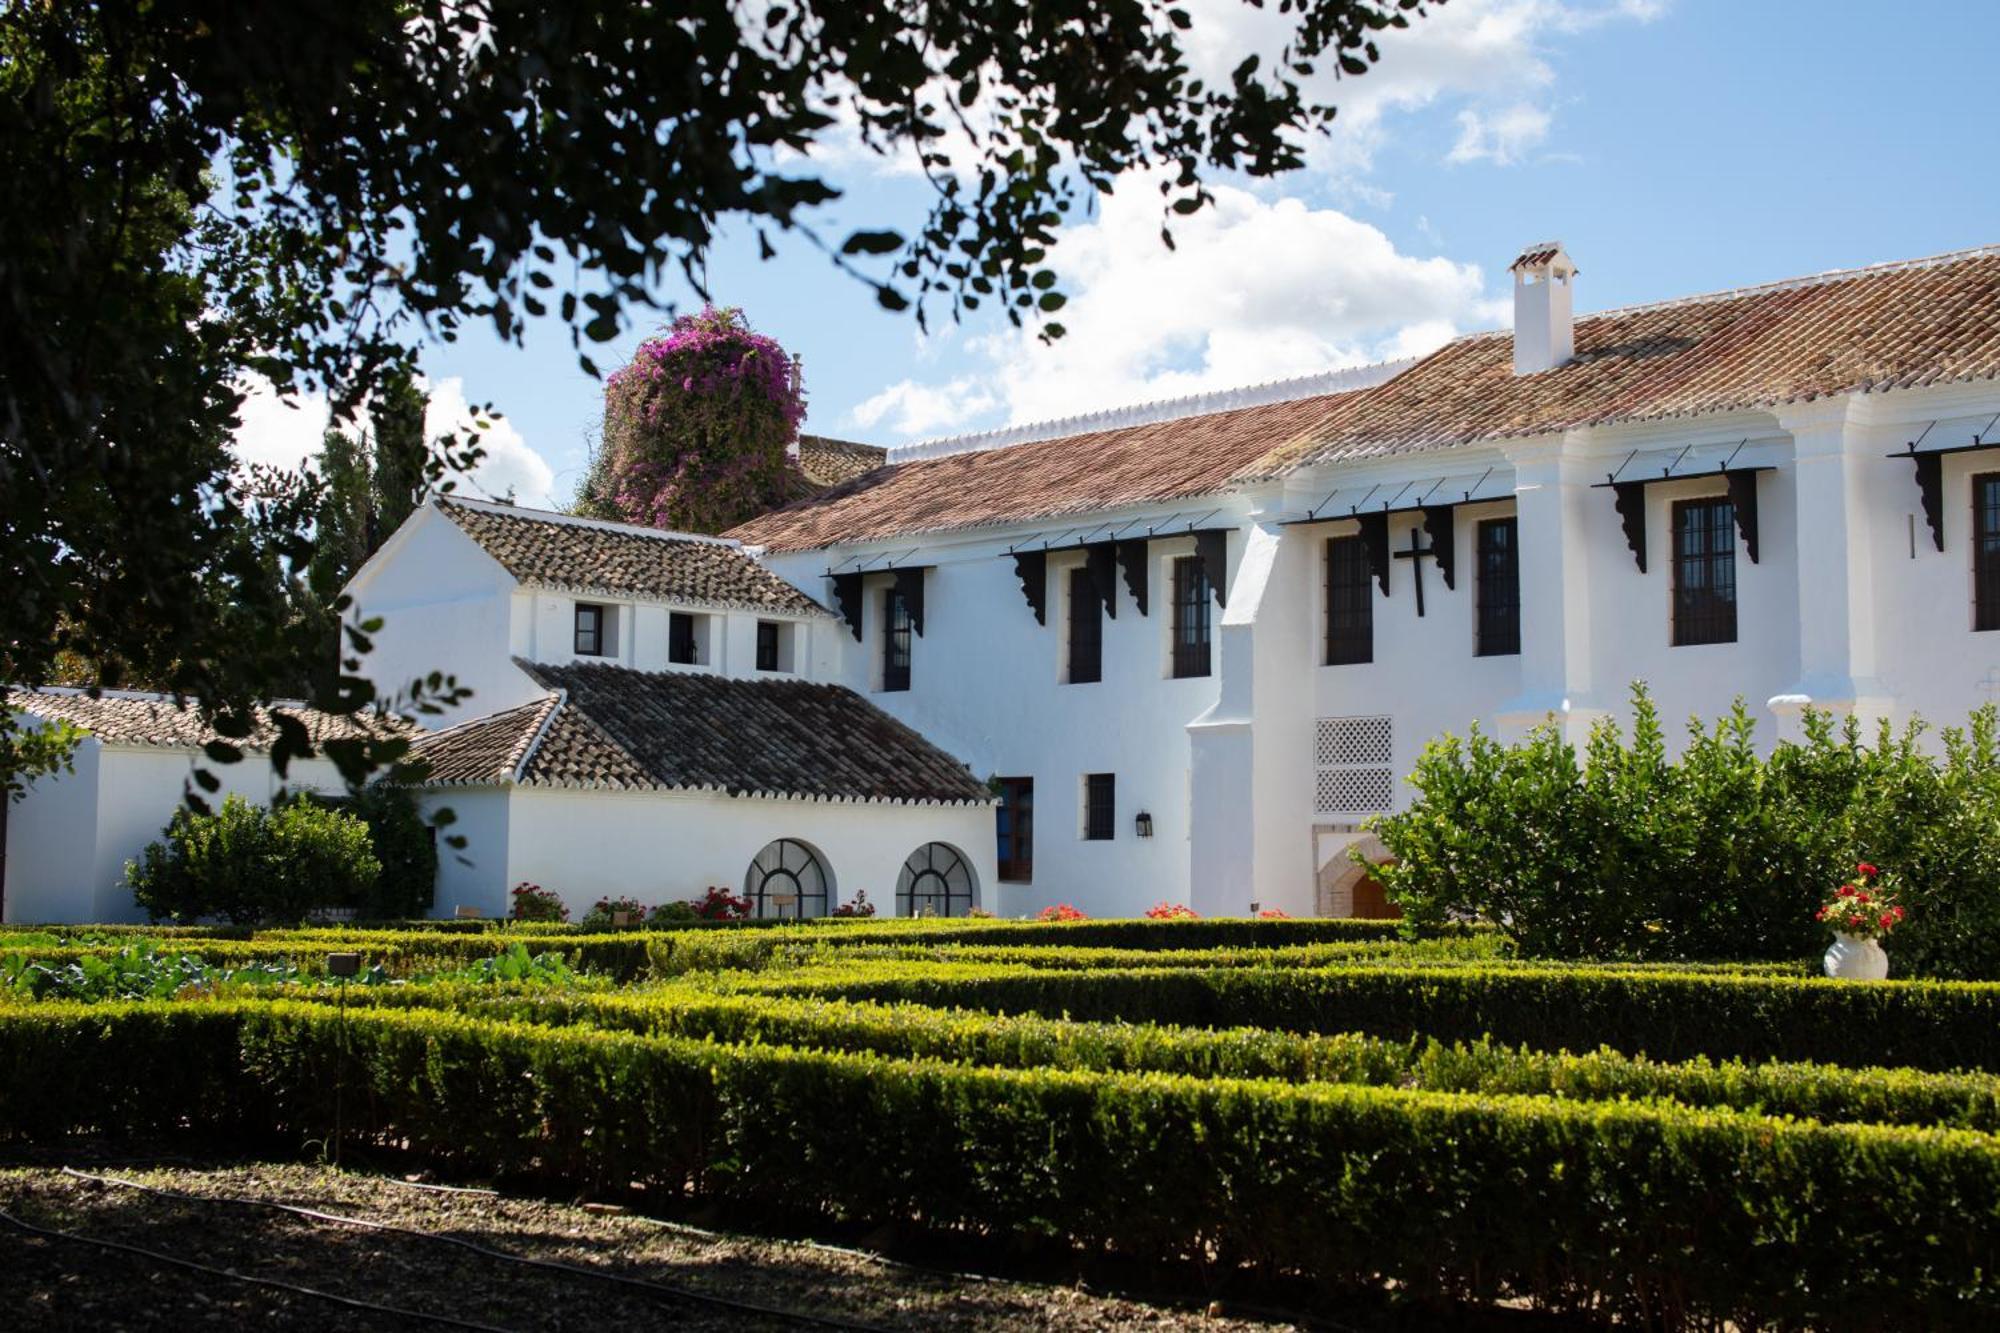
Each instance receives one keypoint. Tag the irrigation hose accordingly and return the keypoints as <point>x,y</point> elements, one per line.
<point>552,1265</point>
<point>208,1270</point>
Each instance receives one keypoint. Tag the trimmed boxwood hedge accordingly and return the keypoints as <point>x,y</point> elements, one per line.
<point>1663,1215</point>
<point>1669,1015</point>
<point>1810,1091</point>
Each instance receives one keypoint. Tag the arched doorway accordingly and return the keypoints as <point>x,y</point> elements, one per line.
<point>936,880</point>
<point>788,879</point>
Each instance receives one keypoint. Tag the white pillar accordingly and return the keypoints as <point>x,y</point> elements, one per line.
<point>1552,504</point>
<point>1836,453</point>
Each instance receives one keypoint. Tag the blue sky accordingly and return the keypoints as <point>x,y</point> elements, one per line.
<point>1675,146</point>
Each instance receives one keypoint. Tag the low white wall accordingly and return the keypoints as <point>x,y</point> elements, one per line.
<point>69,838</point>
<point>660,848</point>
<point>474,875</point>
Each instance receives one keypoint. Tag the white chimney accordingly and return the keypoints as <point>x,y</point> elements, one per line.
<point>1544,332</point>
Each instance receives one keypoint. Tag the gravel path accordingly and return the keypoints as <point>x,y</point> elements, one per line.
<point>60,1284</point>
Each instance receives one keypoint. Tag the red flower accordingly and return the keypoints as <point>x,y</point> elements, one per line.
<point>1865,869</point>
<point>1861,897</point>
<point>1845,891</point>
<point>1897,912</point>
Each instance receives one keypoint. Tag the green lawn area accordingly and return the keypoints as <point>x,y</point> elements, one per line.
<point>1309,1106</point>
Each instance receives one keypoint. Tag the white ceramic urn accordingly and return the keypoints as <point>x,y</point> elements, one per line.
<point>1852,958</point>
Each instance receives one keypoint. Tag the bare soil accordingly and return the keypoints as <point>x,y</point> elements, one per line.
<point>61,1283</point>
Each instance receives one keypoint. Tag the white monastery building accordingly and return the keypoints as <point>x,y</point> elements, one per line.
<point>1182,652</point>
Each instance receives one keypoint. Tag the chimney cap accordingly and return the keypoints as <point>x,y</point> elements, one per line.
<point>1543,254</point>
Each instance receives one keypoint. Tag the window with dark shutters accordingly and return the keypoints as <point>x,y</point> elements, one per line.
<point>1986,551</point>
<point>895,641</point>
<point>1100,806</point>
<point>1014,823</point>
<point>1704,572</point>
<point>1350,603</point>
<point>1190,629</point>
<point>1086,629</point>
<point>1499,587</point>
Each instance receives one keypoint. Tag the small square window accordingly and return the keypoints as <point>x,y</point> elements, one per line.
<point>589,630</point>
<point>1100,806</point>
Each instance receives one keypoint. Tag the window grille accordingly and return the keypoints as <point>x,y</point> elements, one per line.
<point>680,638</point>
<point>1190,628</point>
<point>767,645</point>
<point>1014,825</point>
<point>895,641</point>
<point>1100,806</point>
<point>1704,572</point>
<point>1350,603</point>
<point>1986,551</point>
<point>788,880</point>
<point>1086,629</point>
<point>936,881</point>
<point>1355,765</point>
<point>1499,632</point>
<point>589,630</point>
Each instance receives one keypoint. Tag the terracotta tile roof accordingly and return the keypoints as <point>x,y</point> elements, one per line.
<point>485,750</point>
<point>133,719</point>
<point>620,560</point>
<point>828,462</point>
<point>1869,330</point>
<point>1157,461</point>
<point>1894,326</point>
<point>612,728</point>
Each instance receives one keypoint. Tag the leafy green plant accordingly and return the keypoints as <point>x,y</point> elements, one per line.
<point>251,864</point>
<point>1719,853</point>
<point>603,912</point>
<point>138,971</point>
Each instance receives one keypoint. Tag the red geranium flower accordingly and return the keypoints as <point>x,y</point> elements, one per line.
<point>1865,869</point>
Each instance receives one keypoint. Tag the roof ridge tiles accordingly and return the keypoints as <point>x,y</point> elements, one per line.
<point>528,515</point>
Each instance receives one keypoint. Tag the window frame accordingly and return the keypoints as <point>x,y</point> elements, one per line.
<point>1083,616</point>
<point>1191,631</point>
<point>1349,603</point>
<point>1100,807</point>
<point>1694,625</point>
<point>1014,830</point>
<point>595,613</point>
<point>896,642</point>
<point>683,637</point>
<point>1986,551</point>
<point>1497,598</point>
<point>769,636</point>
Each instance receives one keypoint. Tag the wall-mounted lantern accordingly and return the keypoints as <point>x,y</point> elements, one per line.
<point>1144,823</point>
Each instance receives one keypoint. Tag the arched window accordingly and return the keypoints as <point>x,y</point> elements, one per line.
<point>787,879</point>
<point>936,881</point>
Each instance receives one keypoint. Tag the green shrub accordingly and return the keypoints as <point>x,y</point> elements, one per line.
<point>249,863</point>
<point>1667,1015</point>
<point>1717,854</point>
<point>1660,1215</point>
<point>404,844</point>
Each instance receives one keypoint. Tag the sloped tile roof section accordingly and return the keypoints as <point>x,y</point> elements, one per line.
<point>1896,326</point>
<point>1147,463</point>
<point>1893,326</point>
<point>829,462</point>
<point>127,718</point>
<point>621,560</point>
<point>609,728</point>
<point>485,751</point>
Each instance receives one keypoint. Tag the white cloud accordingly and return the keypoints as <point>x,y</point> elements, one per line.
<point>911,409</point>
<point>286,433</point>
<point>1491,56</point>
<point>509,465</point>
<point>1255,290</point>
<point>1501,137</point>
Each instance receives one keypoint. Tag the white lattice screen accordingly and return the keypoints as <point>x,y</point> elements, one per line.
<point>1355,758</point>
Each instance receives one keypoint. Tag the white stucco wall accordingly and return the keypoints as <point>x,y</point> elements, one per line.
<point>69,838</point>
<point>656,847</point>
<point>987,684</point>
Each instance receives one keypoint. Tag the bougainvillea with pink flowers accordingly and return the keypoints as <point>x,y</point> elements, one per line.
<point>696,428</point>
